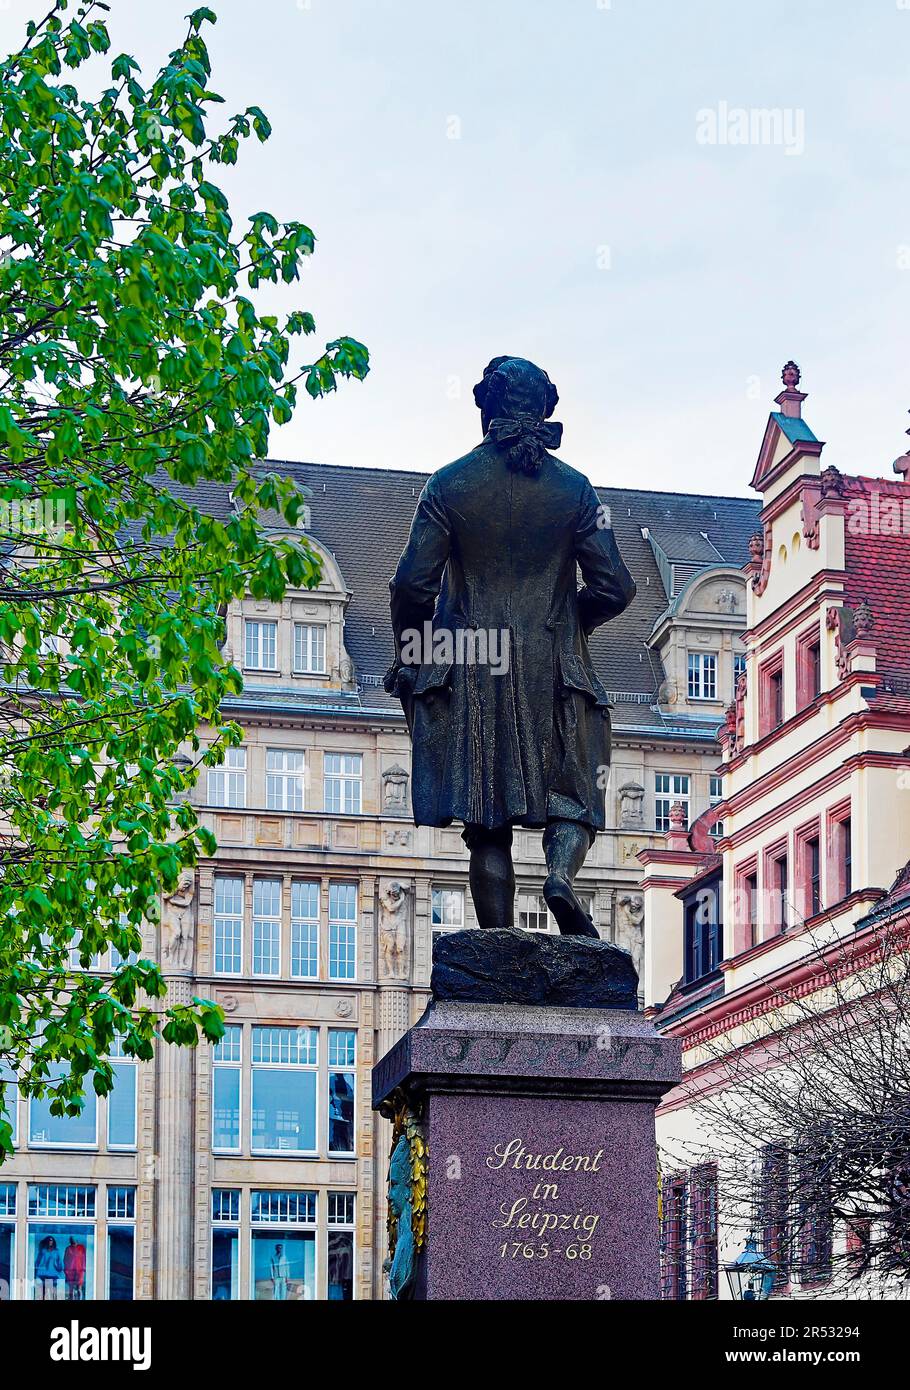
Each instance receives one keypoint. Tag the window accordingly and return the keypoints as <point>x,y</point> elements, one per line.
<point>226,1091</point>
<point>309,648</point>
<point>447,910</point>
<point>750,884</point>
<point>716,794</point>
<point>228,922</point>
<point>341,1246</point>
<point>121,1243</point>
<point>283,1263</point>
<point>739,668</point>
<point>702,676</point>
<point>7,1239</point>
<point>61,1242</point>
<point>9,1103</point>
<point>815,1217</point>
<point>266,926</point>
<point>284,1090</point>
<point>342,931</point>
<point>66,1131</point>
<point>533,913</point>
<point>285,776</point>
<point>674,1238</point>
<point>703,932</point>
<point>121,1101</point>
<point>840,854</point>
<point>813,866</point>
<point>227,784</point>
<point>260,646</point>
<point>304,930</point>
<point>774,1203</point>
<point>779,888</point>
<point>808,668</point>
<point>342,1054</point>
<point>703,1228</point>
<point>343,778</point>
<point>771,694</point>
<point>669,787</point>
<point>225,1244</point>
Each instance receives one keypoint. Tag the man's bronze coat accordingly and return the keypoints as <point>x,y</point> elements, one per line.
<point>494,548</point>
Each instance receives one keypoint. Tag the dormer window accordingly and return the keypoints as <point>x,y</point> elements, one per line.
<point>309,649</point>
<point>702,676</point>
<point>260,648</point>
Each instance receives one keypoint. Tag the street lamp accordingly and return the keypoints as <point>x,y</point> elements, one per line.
<point>751,1275</point>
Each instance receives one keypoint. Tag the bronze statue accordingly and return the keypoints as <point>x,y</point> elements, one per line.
<point>509,722</point>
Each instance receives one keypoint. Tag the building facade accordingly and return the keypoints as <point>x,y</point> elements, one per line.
<point>256,1170</point>
<point>758,934</point>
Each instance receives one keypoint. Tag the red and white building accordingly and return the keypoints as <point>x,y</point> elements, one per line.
<point>805,850</point>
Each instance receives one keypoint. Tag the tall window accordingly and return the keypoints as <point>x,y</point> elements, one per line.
<point>309,648</point>
<point>225,1244</point>
<point>342,1056</point>
<point>226,1059</point>
<point>342,931</point>
<point>285,777</point>
<point>266,926</point>
<point>283,1262</point>
<point>447,910</point>
<point>669,787</point>
<point>227,783</point>
<point>777,698</point>
<point>121,1243</point>
<point>284,1090</point>
<point>780,888</point>
<point>703,932</point>
<point>260,646</point>
<point>702,676</point>
<point>61,1241</point>
<point>121,1101</point>
<point>816,1225</point>
<point>815,669</point>
<point>813,869</point>
<point>703,1227</point>
<point>808,668</point>
<point>840,857</point>
<point>674,1238</point>
<point>341,1245</point>
<point>228,924</point>
<point>774,1208</point>
<point>304,930</point>
<point>7,1238</point>
<point>739,668</point>
<point>343,780</point>
<point>750,887</point>
<point>716,794</point>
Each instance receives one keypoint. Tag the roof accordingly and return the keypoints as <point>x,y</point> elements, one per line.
<point>877,562</point>
<point>363,515</point>
<point>794,427</point>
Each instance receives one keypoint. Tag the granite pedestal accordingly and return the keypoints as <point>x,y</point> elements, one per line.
<point>530,1133</point>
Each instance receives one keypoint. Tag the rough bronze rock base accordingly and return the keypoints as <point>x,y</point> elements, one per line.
<point>523,967</point>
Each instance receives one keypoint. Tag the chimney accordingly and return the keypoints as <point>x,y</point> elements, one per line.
<point>790,400</point>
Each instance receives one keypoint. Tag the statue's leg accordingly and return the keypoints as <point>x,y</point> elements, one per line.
<point>491,875</point>
<point>565,845</point>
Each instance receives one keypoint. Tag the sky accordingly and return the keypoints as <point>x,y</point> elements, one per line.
<point>590,184</point>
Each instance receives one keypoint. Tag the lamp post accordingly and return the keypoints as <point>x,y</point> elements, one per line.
<point>751,1275</point>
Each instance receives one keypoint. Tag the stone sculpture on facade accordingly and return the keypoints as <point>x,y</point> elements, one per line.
<point>393,931</point>
<point>178,926</point>
<point>631,805</point>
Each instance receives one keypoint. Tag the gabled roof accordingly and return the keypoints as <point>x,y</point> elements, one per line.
<point>363,515</point>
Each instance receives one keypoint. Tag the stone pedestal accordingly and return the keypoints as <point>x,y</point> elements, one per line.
<point>530,1136</point>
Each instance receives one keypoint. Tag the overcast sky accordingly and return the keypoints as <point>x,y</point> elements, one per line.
<point>538,177</point>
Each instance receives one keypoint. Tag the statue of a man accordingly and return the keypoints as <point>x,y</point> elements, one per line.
<point>509,723</point>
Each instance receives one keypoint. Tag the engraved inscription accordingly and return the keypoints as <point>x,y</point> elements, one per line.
<point>536,1224</point>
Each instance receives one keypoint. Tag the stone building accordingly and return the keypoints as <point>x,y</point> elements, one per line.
<point>256,1170</point>
<point>811,865</point>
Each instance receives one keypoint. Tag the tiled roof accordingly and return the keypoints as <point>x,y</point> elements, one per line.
<point>877,567</point>
<point>362,515</point>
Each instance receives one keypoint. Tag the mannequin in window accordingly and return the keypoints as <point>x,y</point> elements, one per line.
<point>48,1268</point>
<point>280,1273</point>
<point>74,1270</point>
